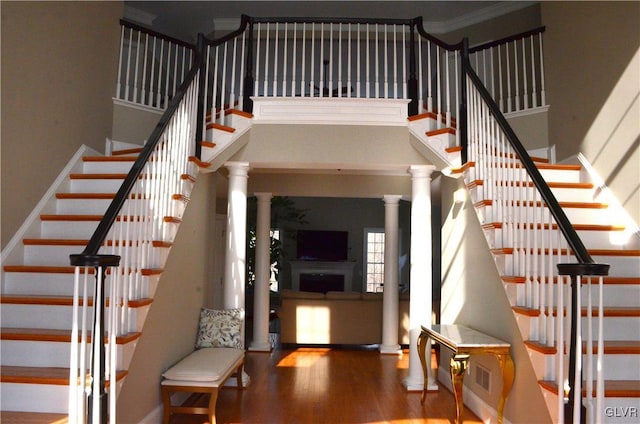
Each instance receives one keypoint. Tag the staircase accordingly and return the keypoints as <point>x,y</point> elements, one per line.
<point>608,240</point>
<point>37,290</point>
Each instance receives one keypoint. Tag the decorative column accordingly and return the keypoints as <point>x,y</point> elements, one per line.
<point>235,260</point>
<point>260,340</point>
<point>420,308</point>
<point>390,289</point>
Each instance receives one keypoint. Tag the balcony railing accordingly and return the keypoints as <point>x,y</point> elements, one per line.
<point>384,59</point>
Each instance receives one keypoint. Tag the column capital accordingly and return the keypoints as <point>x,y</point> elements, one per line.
<point>261,196</point>
<point>421,171</point>
<point>240,169</point>
<point>391,198</point>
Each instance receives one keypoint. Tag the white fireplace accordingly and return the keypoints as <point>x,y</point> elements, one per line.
<point>344,268</point>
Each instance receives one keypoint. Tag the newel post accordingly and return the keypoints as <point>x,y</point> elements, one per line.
<point>575,271</point>
<point>98,400</point>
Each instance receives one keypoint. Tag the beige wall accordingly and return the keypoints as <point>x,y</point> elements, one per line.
<point>171,326</point>
<point>59,63</point>
<point>473,295</point>
<point>500,27</point>
<point>593,80</point>
<point>133,125</point>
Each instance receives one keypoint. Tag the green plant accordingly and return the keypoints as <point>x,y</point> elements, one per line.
<point>284,216</point>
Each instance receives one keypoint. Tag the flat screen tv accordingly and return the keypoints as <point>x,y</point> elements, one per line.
<point>317,245</point>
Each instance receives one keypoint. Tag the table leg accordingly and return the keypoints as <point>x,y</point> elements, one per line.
<point>423,340</point>
<point>458,366</point>
<point>508,375</point>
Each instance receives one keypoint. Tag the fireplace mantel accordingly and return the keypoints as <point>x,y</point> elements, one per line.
<point>344,268</point>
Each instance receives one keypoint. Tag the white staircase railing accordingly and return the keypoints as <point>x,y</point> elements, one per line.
<point>151,66</point>
<point>122,249</point>
<point>543,247</point>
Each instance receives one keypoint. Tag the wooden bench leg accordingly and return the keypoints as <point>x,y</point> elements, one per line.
<point>239,376</point>
<point>212,406</point>
<point>166,400</point>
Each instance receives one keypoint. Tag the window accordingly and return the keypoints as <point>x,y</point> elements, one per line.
<point>275,258</point>
<point>374,263</point>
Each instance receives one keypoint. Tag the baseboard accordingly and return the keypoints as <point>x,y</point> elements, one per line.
<point>472,401</point>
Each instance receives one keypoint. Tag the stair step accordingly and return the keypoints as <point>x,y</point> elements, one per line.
<point>612,388</point>
<point>54,335</point>
<point>611,347</point>
<point>134,151</point>
<point>41,375</point>
<point>15,417</point>
<point>62,301</point>
<point>613,311</point>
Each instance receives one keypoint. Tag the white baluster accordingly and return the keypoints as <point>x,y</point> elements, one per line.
<point>266,63</point>
<point>312,67</point>
<point>420,75</point>
<point>358,69</point>
<point>534,90</point>
<point>256,82</point>
<point>367,67</point>
<point>293,60</point>
<point>168,76</point>
<point>349,87</point>
<point>543,97</point>
<point>284,60</point>
<point>386,64</point>
<point>509,94</point>
<point>128,73</point>
<point>377,53</point>
<point>302,71</point>
<point>119,80</point>
<point>439,104</point>
<point>525,85</point>
<point>143,97</point>
<point>275,61</point>
<point>321,61</point>
<point>405,95</point>
<point>339,60</point>
<point>331,61</point>
<point>232,82</point>
<point>241,77</point>
<point>500,82</point>
<point>516,76</point>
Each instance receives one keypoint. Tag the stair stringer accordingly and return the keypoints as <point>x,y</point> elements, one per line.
<point>227,140</point>
<point>468,267</point>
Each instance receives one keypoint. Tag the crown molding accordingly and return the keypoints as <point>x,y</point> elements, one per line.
<point>477,17</point>
<point>137,15</point>
<point>432,27</point>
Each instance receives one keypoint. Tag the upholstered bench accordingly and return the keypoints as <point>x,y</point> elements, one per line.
<point>202,371</point>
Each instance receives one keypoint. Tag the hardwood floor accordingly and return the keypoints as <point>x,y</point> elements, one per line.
<point>319,385</point>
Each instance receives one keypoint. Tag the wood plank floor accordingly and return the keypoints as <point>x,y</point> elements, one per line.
<point>318,385</point>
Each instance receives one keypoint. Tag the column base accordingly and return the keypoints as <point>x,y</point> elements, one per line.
<point>260,347</point>
<point>390,349</point>
<point>417,385</point>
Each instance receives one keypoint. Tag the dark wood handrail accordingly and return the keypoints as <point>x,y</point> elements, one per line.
<point>89,256</point>
<point>420,28</point>
<point>506,40</point>
<point>300,20</point>
<point>153,33</point>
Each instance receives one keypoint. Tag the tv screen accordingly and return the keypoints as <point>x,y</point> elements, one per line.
<point>316,245</point>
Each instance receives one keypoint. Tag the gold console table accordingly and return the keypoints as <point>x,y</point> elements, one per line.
<point>463,342</point>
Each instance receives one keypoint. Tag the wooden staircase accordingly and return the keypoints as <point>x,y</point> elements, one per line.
<point>607,241</point>
<point>37,288</point>
<point>597,226</point>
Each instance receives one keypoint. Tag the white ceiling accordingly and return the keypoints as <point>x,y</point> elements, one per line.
<point>185,19</point>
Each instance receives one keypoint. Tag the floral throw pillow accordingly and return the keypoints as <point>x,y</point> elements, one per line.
<point>220,328</point>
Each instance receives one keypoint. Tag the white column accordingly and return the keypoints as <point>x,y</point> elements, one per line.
<point>390,292</point>
<point>260,340</point>
<point>420,274</point>
<point>235,259</point>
